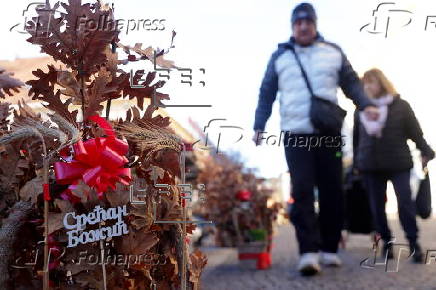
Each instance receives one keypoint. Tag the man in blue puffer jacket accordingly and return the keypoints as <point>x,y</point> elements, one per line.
<point>326,67</point>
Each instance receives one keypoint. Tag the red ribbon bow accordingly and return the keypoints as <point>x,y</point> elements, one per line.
<point>99,161</point>
<point>243,195</point>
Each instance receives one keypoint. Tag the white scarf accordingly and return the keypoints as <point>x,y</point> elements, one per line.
<point>374,128</point>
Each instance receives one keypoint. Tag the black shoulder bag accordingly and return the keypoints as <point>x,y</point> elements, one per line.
<point>326,116</point>
<point>423,198</point>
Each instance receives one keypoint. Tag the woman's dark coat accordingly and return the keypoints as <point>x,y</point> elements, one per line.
<point>390,152</point>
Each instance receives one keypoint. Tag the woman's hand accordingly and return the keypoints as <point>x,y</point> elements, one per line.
<point>256,137</point>
<point>424,160</point>
<point>372,113</point>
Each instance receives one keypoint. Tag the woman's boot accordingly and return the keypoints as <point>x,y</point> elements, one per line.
<point>418,256</point>
<point>388,250</point>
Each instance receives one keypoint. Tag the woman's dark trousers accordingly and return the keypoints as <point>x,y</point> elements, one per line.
<point>376,186</point>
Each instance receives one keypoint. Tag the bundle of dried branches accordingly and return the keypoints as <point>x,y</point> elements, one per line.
<point>8,234</point>
<point>91,79</point>
<point>149,138</point>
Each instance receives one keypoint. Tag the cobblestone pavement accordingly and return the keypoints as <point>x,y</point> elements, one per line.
<point>223,271</point>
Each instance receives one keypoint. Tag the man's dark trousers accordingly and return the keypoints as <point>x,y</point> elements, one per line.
<point>319,166</point>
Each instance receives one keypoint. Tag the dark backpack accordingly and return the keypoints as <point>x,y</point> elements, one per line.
<point>358,217</point>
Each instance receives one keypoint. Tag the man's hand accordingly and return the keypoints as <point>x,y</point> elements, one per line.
<point>372,113</point>
<point>257,137</point>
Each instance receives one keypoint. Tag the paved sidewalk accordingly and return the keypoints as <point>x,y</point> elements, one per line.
<point>224,273</point>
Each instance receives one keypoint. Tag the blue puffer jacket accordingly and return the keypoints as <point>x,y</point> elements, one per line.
<point>327,68</point>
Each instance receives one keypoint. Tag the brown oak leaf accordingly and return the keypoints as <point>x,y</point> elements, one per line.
<point>98,91</point>
<point>118,197</point>
<point>137,242</point>
<point>156,57</point>
<point>12,166</point>
<point>44,84</point>
<point>146,91</point>
<point>5,111</point>
<point>55,104</point>
<point>31,190</point>
<point>8,83</point>
<point>68,39</point>
<point>70,84</point>
<point>198,261</point>
<point>55,220</point>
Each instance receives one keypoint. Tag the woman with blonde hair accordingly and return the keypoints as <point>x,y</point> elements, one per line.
<point>381,153</point>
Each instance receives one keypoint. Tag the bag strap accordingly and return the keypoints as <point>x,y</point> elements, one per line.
<point>303,72</point>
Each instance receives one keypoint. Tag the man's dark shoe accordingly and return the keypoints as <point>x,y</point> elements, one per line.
<point>388,250</point>
<point>418,256</point>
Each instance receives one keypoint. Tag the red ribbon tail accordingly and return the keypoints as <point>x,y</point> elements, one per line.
<point>46,191</point>
<point>104,125</point>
